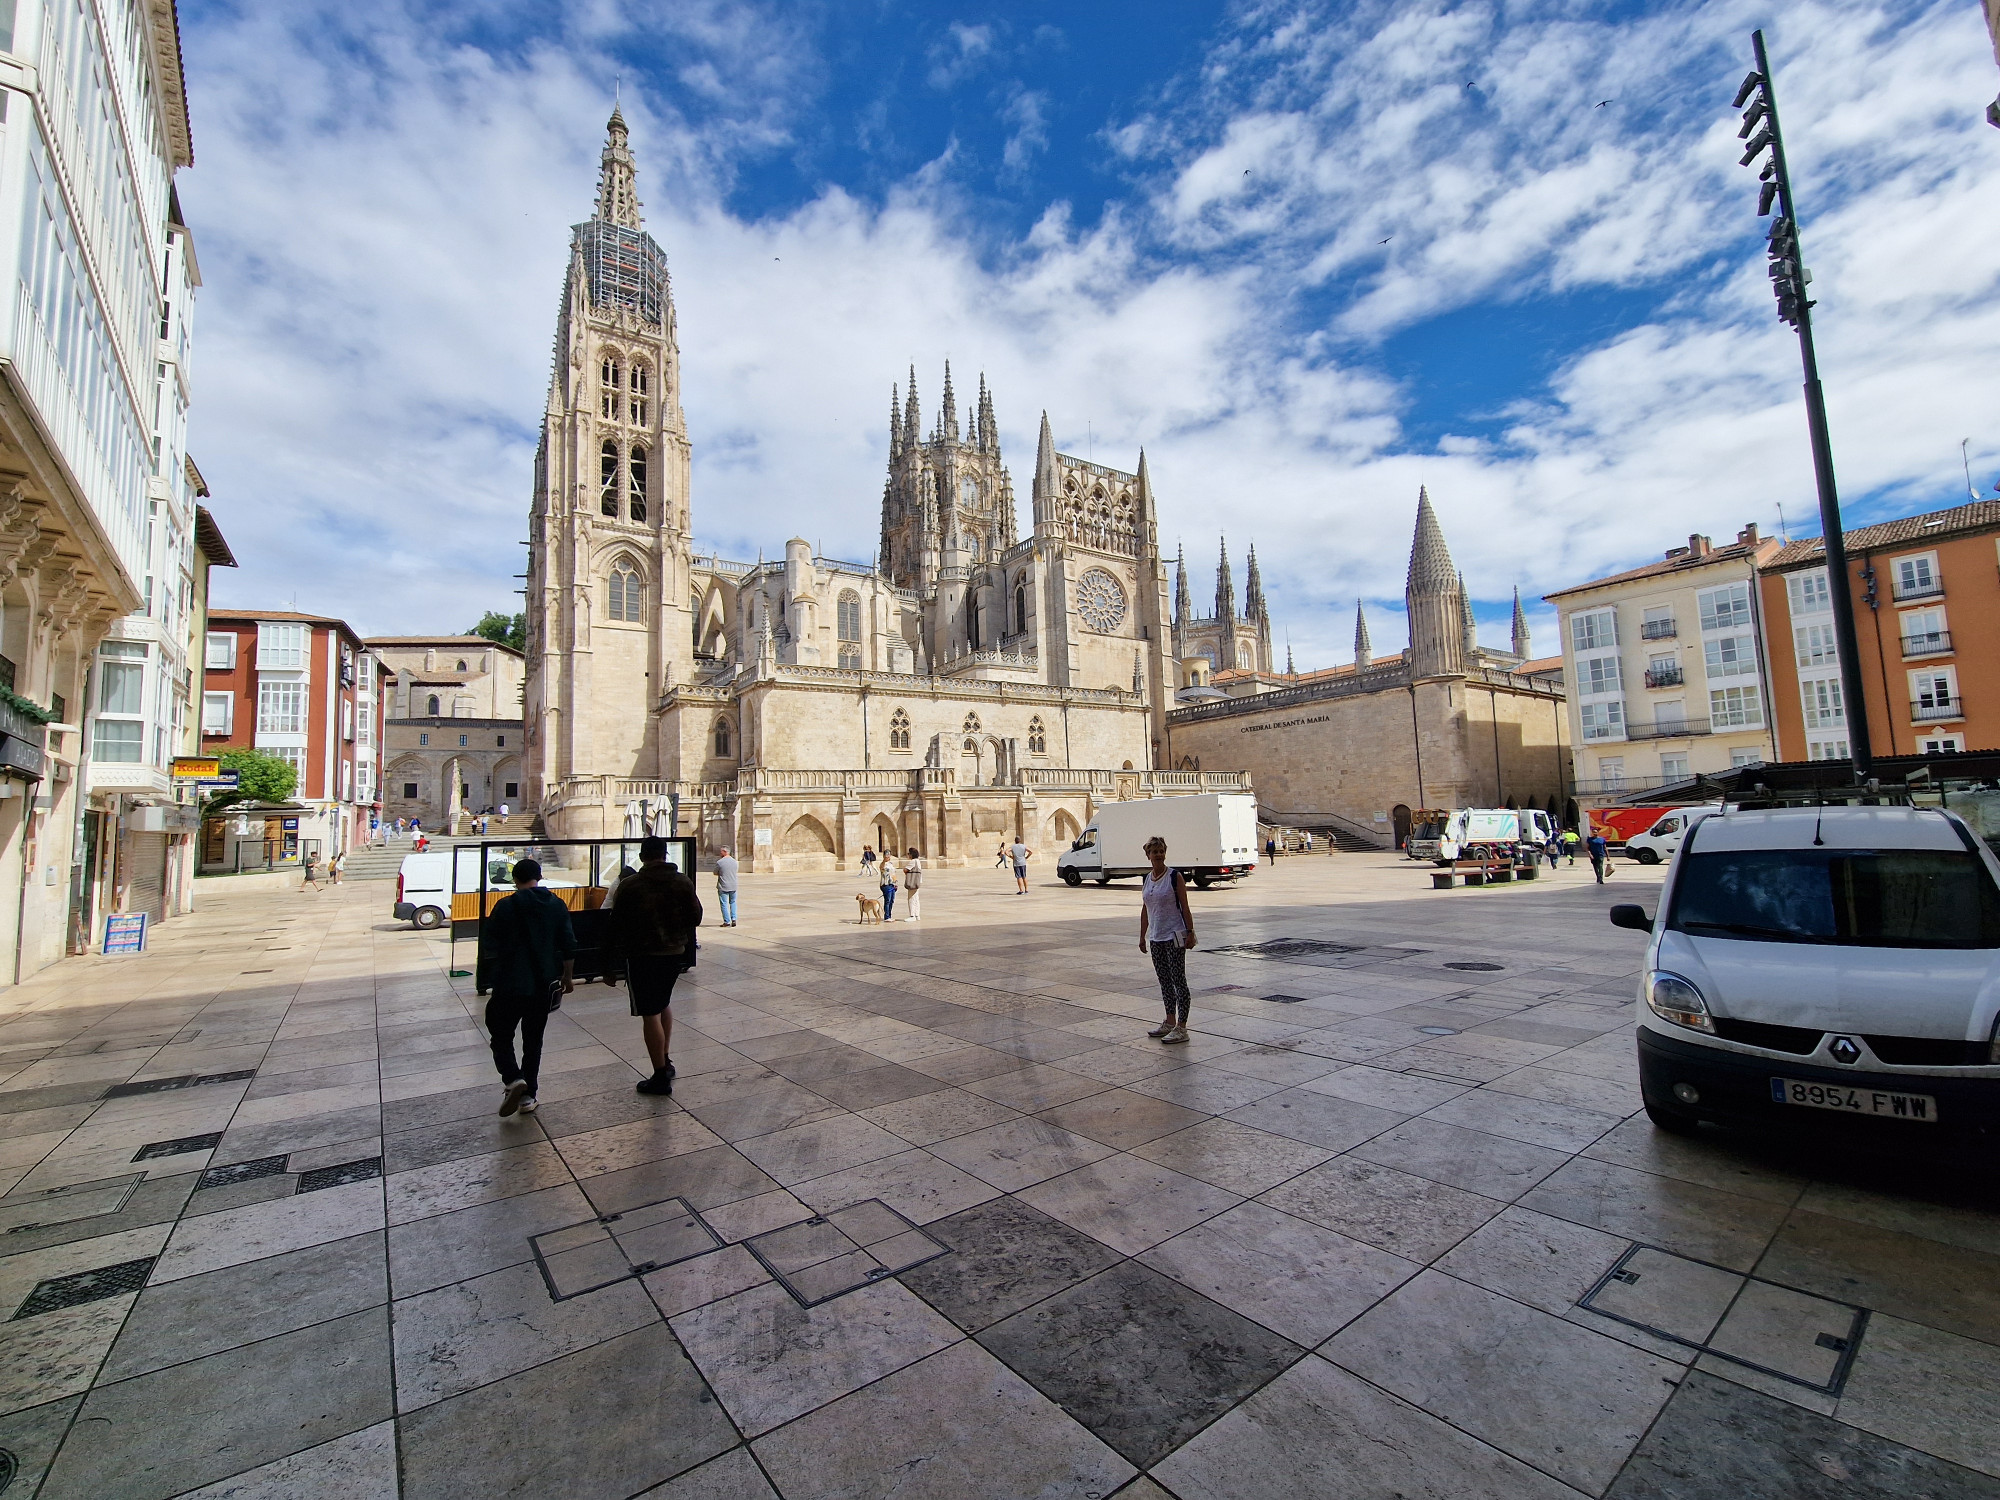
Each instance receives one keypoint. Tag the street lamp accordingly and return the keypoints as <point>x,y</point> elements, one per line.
<point>1789,279</point>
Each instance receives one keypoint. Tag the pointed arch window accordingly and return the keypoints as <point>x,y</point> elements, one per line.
<point>607,478</point>
<point>641,387</point>
<point>849,616</point>
<point>432,710</point>
<point>1038,737</point>
<point>608,383</point>
<point>625,594</point>
<point>1020,605</point>
<point>972,618</point>
<point>636,469</point>
<point>723,738</point>
<point>850,657</point>
<point>899,730</point>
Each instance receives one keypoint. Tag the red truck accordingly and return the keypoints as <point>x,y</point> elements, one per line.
<point>1618,824</point>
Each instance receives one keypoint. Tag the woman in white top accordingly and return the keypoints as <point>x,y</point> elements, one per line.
<point>913,882</point>
<point>889,879</point>
<point>1166,931</point>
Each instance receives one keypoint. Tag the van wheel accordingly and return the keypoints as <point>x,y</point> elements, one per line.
<point>1104,880</point>
<point>429,918</point>
<point>1201,882</point>
<point>1649,856</point>
<point>1071,877</point>
<point>1673,1121</point>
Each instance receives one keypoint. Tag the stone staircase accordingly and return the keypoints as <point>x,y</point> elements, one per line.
<point>368,862</point>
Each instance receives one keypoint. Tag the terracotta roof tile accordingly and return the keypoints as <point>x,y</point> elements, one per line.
<point>1978,515</point>
<point>1734,552</point>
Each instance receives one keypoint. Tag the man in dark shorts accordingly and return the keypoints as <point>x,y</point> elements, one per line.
<point>654,913</point>
<point>526,950</point>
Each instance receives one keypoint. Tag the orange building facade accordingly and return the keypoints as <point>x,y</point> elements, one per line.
<point>1927,617</point>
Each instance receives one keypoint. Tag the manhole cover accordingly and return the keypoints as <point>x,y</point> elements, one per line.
<point>1438,1030</point>
<point>364,1170</point>
<point>1285,999</point>
<point>242,1171</point>
<point>85,1286</point>
<point>179,1147</point>
<point>1477,968</point>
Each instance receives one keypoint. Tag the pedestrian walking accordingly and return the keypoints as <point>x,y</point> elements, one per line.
<point>890,878</point>
<point>1021,854</point>
<point>913,882</point>
<point>1553,849</point>
<point>1569,842</point>
<point>503,810</point>
<point>1166,932</point>
<point>1600,855</point>
<point>867,861</point>
<point>527,963</point>
<point>1000,856</point>
<point>654,913</point>
<point>335,865</point>
<point>725,886</point>
<point>1271,850</point>
<point>311,867</point>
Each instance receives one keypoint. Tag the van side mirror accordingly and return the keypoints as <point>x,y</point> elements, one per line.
<point>1625,914</point>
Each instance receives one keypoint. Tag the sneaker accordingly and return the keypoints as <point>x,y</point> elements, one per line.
<point>657,1084</point>
<point>510,1101</point>
<point>529,1106</point>
<point>1178,1034</point>
<point>672,1071</point>
<point>1160,1030</point>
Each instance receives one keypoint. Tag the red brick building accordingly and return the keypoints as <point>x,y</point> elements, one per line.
<point>302,688</point>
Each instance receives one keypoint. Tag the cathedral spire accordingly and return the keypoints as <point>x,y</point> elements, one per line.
<point>912,417</point>
<point>977,434</point>
<point>1044,496</point>
<point>895,422</point>
<point>1435,599</point>
<point>1520,626</point>
<point>1363,652</point>
<point>1468,628</point>
<point>617,176</point>
<point>948,425</point>
<point>1183,605</point>
<point>1290,670</point>
<point>1431,569</point>
<point>1225,589</point>
<point>1253,592</point>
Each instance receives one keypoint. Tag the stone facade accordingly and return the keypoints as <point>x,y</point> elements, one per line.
<point>1358,750</point>
<point>451,676</point>
<point>1223,641</point>
<point>966,681</point>
<point>454,765</point>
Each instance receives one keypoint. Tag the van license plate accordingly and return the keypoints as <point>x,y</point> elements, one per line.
<point>1855,1101</point>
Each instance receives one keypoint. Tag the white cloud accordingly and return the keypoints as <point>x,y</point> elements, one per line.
<point>384,245</point>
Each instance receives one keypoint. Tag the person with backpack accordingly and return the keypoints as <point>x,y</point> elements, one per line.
<point>1166,932</point>
<point>654,912</point>
<point>527,963</point>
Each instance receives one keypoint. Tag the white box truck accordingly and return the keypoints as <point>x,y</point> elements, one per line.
<point>1209,837</point>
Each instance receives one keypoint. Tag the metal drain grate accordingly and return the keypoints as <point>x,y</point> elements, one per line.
<point>242,1171</point>
<point>1438,1030</point>
<point>85,1286</point>
<point>1286,999</point>
<point>224,1077</point>
<point>181,1147</point>
<point>830,1255</point>
<point>348,1171</point>
<point>1477,968</point>
<point>1780,1331</point>
<point>163,1085</point>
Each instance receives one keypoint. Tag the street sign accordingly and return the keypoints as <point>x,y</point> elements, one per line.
<point>291,825</point>
<point>197,768</point>
<point>226,782</point>
<point>124,933</point>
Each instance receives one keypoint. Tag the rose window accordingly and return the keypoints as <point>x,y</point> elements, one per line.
<point>1100,600</point>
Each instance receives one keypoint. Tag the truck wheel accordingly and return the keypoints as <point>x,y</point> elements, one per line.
<point>1104,880</point>
<point>1071,877</point>
<point>1649,856</point>
<point>429,918</point>
<point>1201,882</point>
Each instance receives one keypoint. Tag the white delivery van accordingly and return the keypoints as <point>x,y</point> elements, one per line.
<point>1487,832</point>
<point>424,884</point>
<point>1209,837</point>
<point>1663,839</point>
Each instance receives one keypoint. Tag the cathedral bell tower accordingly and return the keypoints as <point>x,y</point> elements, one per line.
<point>610,548</point>
<point>948,503</point>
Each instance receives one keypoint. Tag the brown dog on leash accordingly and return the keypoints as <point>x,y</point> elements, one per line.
<point>871,908</point>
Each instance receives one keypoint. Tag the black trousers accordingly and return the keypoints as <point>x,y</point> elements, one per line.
<point>531,1014</point>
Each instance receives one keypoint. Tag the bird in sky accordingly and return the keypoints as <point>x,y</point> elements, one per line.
<point>1602,102</point>
<point>1384,242</point>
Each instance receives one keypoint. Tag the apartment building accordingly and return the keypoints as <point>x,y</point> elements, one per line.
<point>1926,593</point>
<point>1665,670</point>
<point>302,688</point>
<point>96,128</point>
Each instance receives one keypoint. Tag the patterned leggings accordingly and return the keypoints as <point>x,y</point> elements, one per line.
<point>1170,963</point>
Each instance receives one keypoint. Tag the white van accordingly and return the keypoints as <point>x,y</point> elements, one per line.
<point>1808,963</point>
<point>1663,838</point>
<point>423,889</point>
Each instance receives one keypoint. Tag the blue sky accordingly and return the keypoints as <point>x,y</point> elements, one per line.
<point>1308,254</point>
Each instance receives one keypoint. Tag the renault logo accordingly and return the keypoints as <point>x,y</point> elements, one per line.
<point>1845,1050</point>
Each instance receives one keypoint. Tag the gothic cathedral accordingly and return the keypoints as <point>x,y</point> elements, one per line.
<point>967,685</point>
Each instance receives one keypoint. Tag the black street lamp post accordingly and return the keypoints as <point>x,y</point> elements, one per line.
<point>1789,279</point>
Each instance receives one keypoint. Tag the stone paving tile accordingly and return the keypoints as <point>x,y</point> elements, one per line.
<point>600,1424</point>
<point>956,1424</point>
<point>1005,1256</point>
<point>1717,1438</point>
<point>243,1234</point>
<point>1229,1155</point>
<point>1019,1153</point>
<point>1471,1159</point>
<point>616,1147</point>
<point>360,1466</point>
<point>1724,1228</point>
<point>232,1411</point>
<point>474,1180</point>
<point>1317,1119</point>
<point>1121,1118</point>
<point>1929,1388</point>
<point>1126,1202</point>
<point>938,1115</point>
<point>771,1360</point>
<point>1466,1354</point>
<point>1394,1211</point>
<point>436,1251</point>
<point>1544,1262</point>
<point>1034,1087</point>
<point>918,1185</point>
<point>1131,1329</point>
<point>1537,1122</point>
<point>1913,1277</point>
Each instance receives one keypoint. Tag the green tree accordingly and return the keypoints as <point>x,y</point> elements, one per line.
<point>259,778</point>
<point>503,630</point>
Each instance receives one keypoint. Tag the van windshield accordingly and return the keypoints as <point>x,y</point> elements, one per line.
<point>1866,898</point>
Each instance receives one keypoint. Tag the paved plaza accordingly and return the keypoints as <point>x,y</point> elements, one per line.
<point>929,1216</point>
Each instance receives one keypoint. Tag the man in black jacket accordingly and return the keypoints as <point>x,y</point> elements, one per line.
<point>654,913</point>
<point>526,952</point>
